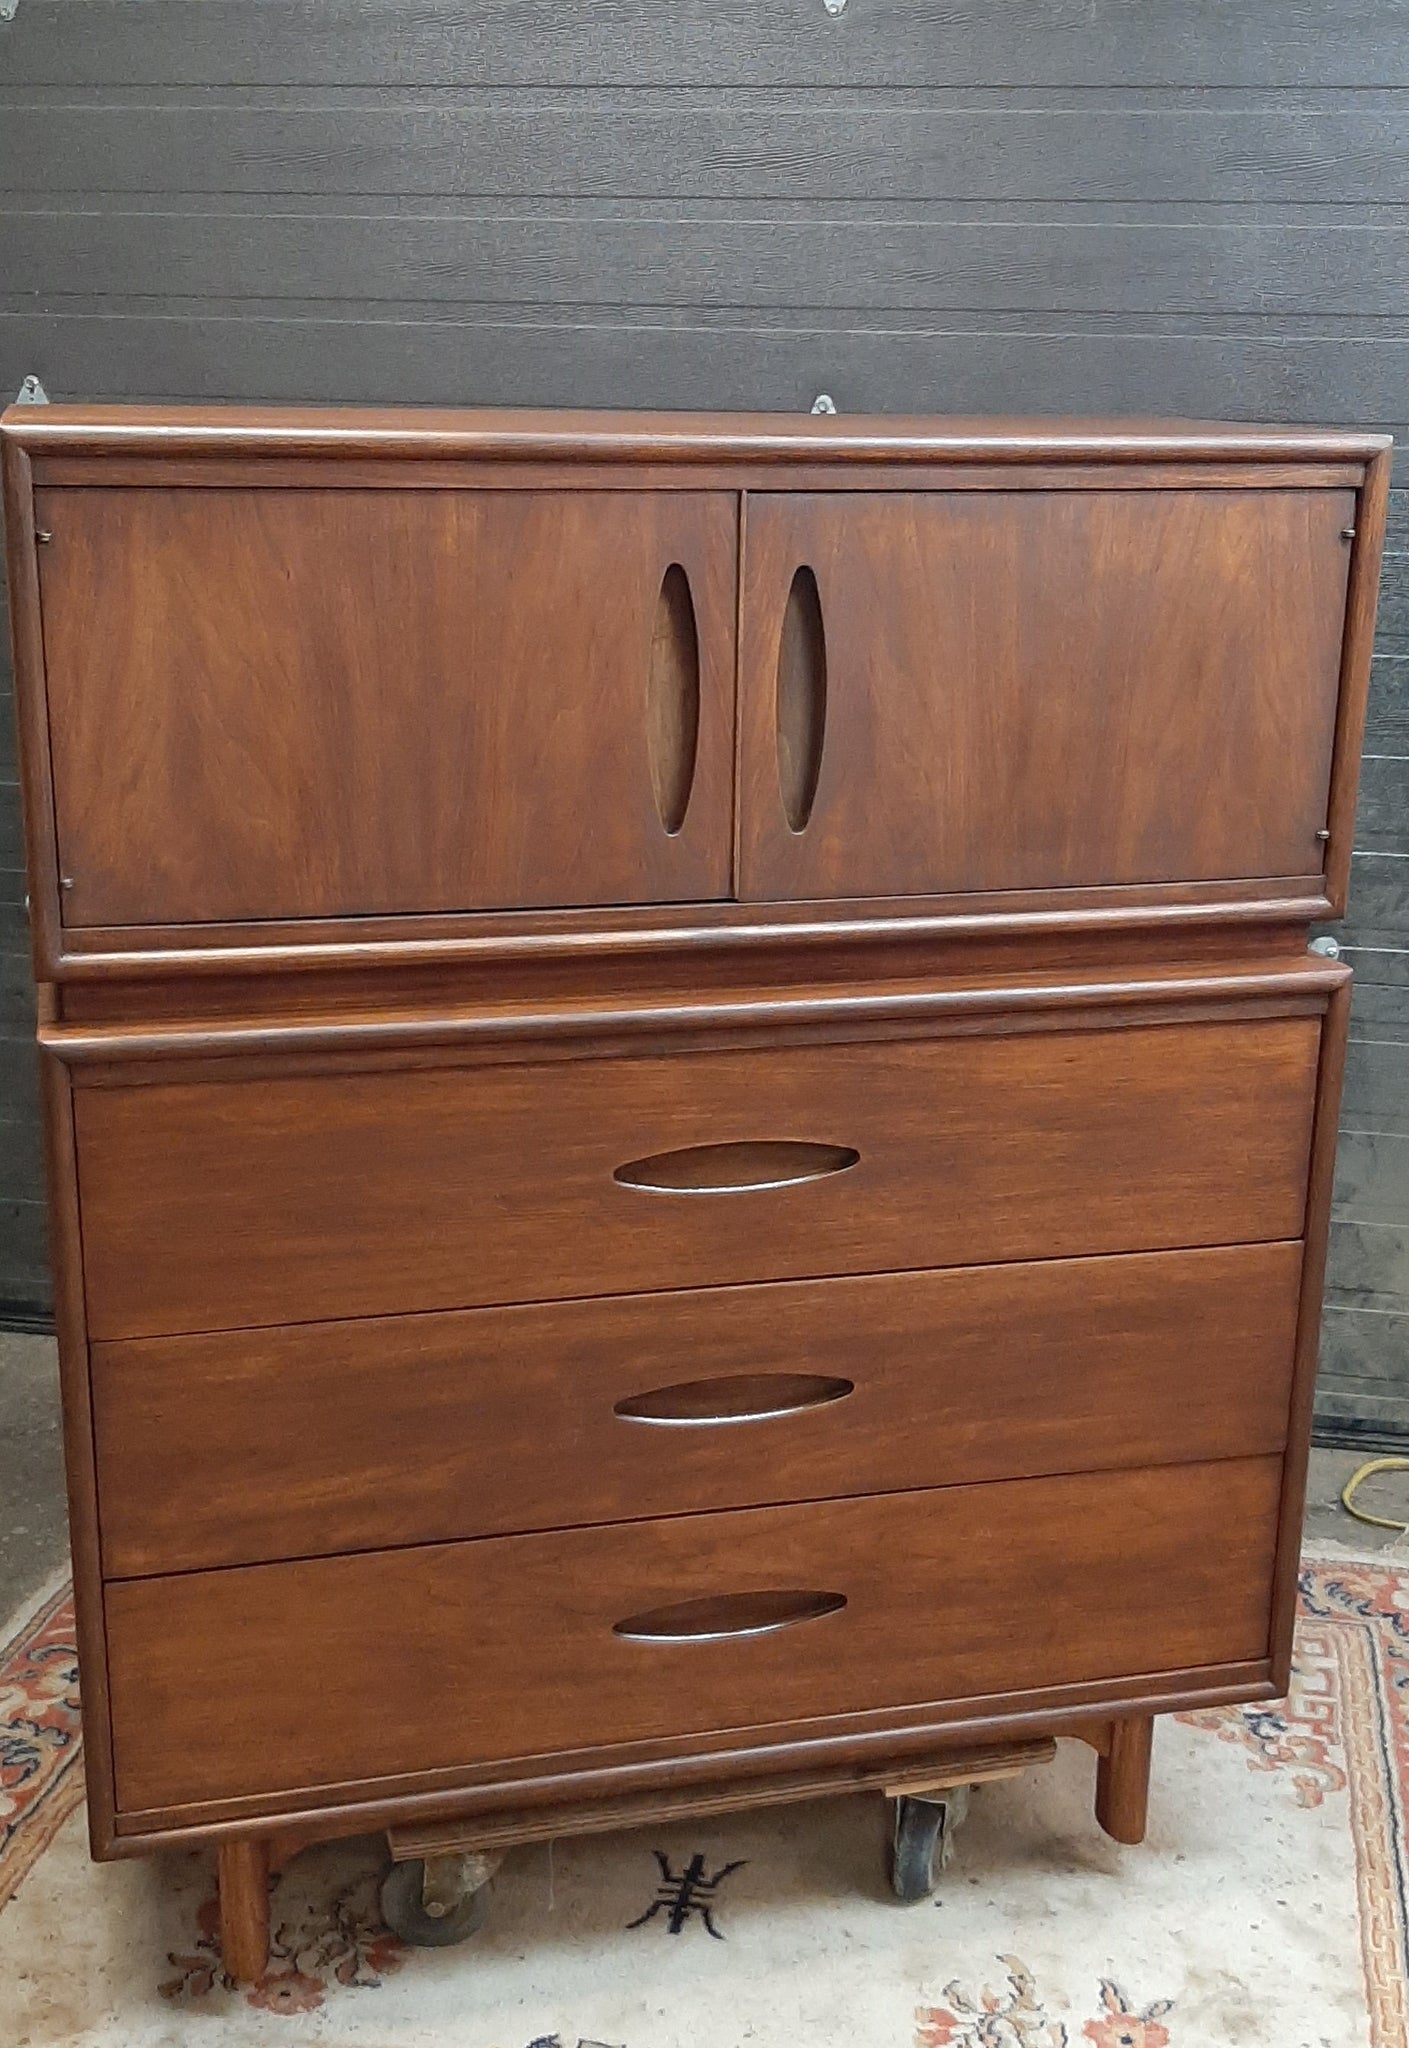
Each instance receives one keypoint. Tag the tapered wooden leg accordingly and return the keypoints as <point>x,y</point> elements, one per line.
<point>244,1910</point>
<point>1123,1779</point>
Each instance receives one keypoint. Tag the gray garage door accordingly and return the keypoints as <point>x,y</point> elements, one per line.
<point>1159,206</point>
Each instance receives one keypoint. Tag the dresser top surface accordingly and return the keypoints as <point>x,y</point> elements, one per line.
<point>661,436</point>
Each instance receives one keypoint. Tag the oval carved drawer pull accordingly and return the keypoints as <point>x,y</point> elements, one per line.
<point>736,1168</point>
<point>738,1397</point>
<point>722,1615</point>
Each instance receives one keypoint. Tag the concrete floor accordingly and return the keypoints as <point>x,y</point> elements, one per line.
<point>32,1523</point>
<point>1386,1494</point>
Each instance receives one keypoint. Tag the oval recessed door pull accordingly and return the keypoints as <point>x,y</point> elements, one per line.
<point>722,1615</point>
<point>736,1168</point>
<point>800,702</point>
<point>736,1397</point>
<point>673,699</point>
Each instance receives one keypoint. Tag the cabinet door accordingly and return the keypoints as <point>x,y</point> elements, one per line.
<point>312,703</point>
<point>1046,689</point>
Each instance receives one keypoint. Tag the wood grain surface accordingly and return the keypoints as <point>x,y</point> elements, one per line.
<point>260,1444</point>
<point>294,704</point>
<point>210,1204</point>
<point>405,1660</point>
<point>1152,697</point>
<point>914,1337</point>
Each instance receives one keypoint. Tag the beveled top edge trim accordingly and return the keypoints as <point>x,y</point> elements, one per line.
<point>645,437</point>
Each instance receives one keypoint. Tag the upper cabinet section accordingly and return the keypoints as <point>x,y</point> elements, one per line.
<point>318,703</point>
<point>543,685</point>
<point>988,690</point>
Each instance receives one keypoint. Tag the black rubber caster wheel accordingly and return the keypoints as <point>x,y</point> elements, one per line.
<point>923,1842</point>
<point>435,1922</point>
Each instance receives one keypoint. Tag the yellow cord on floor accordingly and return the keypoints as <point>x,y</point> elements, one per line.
<point>1362,1514</point>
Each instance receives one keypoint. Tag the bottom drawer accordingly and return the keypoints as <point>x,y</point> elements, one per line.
<point>270,1678</point>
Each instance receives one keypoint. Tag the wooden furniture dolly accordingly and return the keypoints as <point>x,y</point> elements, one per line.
<point>690,1122</point>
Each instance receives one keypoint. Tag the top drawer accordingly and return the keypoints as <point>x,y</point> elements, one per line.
<point>218,1203</point>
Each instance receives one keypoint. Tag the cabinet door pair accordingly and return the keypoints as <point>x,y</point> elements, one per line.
<point>316,703</point>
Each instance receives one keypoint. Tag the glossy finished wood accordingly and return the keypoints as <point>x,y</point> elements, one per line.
<point>313,704</point>
<point>674,1245</point>
<point>800,699</point>
<point>210,435</point>
<point>1361,605</point>
<point>1123,1779</point>
<point>244,1910</point>
<point>273,455</point>
<point>31,716</point>
<point>1024,689</point>
<point>673,699</point>
<point>255,1445</point>
<point>411,1659</point>
<point>1320,1189</point>
<point>244,1026</point>
<point>896,1733</point>
<point>85,1534</point>
<point>219,1205</point>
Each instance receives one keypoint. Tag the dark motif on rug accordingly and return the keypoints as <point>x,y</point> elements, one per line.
<point>557,2041</point>
<point>693,1891</point>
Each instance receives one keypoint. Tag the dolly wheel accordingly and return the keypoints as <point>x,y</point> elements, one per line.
<point>435,1901</point>
<point>923,1841</point>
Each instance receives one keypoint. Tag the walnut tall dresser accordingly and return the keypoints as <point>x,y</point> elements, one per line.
<point>690,1120</point>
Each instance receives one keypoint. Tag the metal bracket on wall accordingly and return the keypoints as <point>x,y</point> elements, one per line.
<point>10,8</point>
<point>823,404</point>
<point>31,392</point>
<point>832,6</point>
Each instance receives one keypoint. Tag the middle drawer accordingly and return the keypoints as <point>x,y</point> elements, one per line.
<point>246,1446</point>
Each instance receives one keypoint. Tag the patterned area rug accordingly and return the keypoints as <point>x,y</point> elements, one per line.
<point>1267,1909</point>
